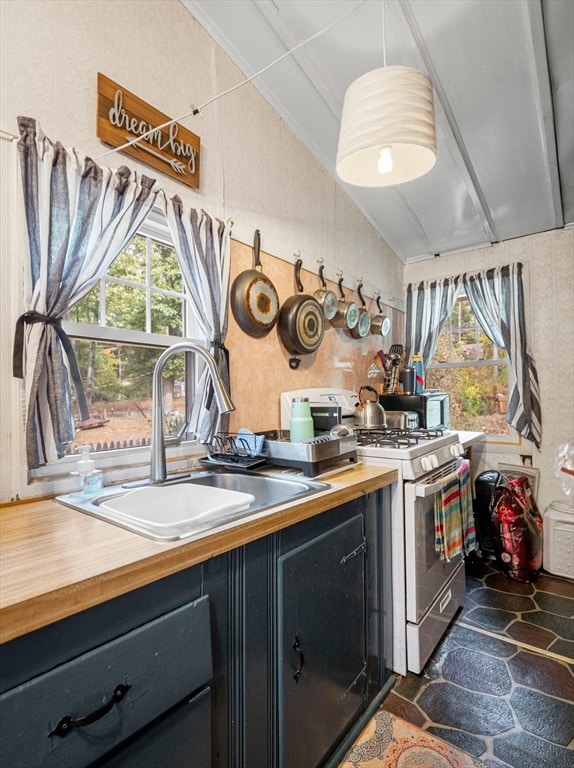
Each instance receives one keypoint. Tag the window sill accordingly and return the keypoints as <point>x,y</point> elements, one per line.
<point>117,467</point>
<point>508,445</point>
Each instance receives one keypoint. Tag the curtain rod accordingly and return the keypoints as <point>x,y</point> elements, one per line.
<point>8,135</point>
<point>197,110</point>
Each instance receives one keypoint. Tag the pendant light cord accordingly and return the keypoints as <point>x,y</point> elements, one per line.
<point>383,30</point>
<point>197,110</point>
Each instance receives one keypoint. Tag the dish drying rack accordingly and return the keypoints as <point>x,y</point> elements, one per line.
<point>250,450</point>
<point>230,449</point>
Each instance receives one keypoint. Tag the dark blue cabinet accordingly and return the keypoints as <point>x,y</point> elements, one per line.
<point>307,635</point>
<point>321,641</point>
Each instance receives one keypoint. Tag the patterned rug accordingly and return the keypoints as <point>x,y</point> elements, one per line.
<point>389,742</point>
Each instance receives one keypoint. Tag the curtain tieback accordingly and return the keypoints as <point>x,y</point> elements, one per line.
<point>31,318</point>
<point>219,347</point>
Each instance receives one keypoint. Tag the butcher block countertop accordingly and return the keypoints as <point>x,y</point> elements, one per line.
<point>55,561</point>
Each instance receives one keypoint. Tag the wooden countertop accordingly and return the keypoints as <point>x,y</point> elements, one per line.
<point>55,562</point>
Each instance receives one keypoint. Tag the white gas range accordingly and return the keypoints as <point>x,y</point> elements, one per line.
<point>427,591</point>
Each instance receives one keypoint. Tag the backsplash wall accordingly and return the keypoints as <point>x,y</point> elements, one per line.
<point>259,367</point>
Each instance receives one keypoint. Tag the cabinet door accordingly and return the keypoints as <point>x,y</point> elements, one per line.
<point>321,642</point>
<point>180,739</point>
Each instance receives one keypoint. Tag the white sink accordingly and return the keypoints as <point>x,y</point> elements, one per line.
<point>166,506</point>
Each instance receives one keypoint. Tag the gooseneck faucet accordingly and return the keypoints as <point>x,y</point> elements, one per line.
<point>157,447</point>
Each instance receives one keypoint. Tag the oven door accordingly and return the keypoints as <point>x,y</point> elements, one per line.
<point>426,572</point>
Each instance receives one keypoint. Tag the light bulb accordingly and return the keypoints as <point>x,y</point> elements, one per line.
<point>385,164</point>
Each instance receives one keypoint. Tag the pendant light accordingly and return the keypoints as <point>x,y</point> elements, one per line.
<point>387,133</point>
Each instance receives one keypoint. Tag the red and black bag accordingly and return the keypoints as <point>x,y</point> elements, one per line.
<point>516,530</point>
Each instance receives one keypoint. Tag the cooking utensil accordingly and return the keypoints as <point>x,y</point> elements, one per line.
<point>254,300</point>
<point>370,413</point>
<point>327,299</point>
<point>301,321</point>
<point>347,315</point>
<point>396,349</point>
<point>383,359</point>
<point>394,358</point>
<point>364,322</point>
<point>381,324</point>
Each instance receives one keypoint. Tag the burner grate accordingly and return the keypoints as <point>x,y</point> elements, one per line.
<point>394,437</point>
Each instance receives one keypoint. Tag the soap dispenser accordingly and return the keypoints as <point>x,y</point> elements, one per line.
<point>92,478</point>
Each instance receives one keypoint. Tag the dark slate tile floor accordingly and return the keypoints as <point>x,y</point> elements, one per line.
<point>501,683</point>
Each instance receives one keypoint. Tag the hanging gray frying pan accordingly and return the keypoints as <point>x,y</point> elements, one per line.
<point>326,298</point>
<point>363,326</point>
<point>254,300</point>
<point>381,324</point>
<point>347,314</point>
<point>301,320</point>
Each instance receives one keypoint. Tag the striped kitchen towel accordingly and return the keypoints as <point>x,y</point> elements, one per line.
<point>447,518</point>
<point>466,511</point>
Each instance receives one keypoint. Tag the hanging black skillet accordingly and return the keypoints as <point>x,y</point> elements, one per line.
<point>301,321</point>
<point>254,300</point>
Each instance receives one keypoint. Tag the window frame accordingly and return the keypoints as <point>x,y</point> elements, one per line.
<point>513,439</point>
<point>155,227</point>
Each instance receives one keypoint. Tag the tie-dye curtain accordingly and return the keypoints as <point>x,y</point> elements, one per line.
<point>203,246</point>
<point>79,217</point>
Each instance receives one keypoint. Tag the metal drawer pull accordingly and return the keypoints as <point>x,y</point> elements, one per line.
<point>299,652</point>
<point>68,723</point>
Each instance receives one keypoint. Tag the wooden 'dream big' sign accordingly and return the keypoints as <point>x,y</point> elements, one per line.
<point>122,117</point>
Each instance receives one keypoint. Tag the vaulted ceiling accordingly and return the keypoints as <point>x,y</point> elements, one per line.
<point>503,78</point>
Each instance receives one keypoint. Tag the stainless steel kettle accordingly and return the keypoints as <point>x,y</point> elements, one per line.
<point>369,413</point>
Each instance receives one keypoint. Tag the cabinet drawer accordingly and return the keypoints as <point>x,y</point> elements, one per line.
<point>158,664</point>
<point>181,739</point>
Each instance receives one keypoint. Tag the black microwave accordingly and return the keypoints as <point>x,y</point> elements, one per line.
<point>433,408</point>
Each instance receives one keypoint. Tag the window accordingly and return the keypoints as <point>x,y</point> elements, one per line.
<point>119,329</point>
<point>474,371</point>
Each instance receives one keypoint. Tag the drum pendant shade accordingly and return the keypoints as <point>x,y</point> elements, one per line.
<point>388,119</point>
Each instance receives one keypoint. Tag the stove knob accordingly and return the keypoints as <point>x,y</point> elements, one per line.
<point>426,463</point>
<point>456,450</point>
<point>434,460</point>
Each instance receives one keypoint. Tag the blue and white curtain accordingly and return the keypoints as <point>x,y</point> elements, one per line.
<point>203,246</point>
<point>429,305</point>
<point>79,217</point>
<point>497,299</point>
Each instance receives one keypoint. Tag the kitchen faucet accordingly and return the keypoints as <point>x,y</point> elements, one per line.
<point>157,447</point>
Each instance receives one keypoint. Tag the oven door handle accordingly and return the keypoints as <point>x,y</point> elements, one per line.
<point>428,489</point>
